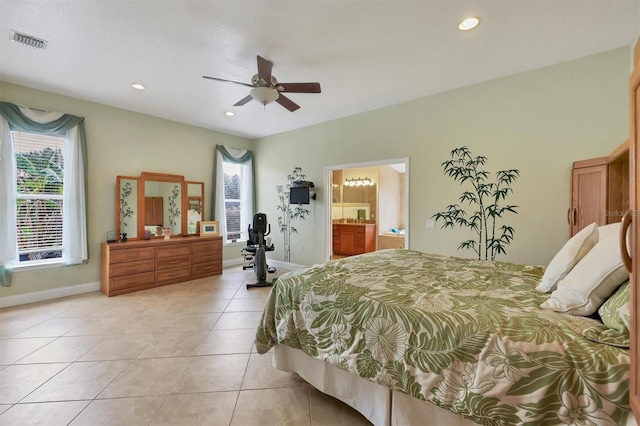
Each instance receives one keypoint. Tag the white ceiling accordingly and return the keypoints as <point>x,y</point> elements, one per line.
<point>366,54</point>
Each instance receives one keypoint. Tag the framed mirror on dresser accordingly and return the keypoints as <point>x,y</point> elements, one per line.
<point>155,213</point>
<point>163,203</point>
<point>127,207</point>
<point>194,205</point>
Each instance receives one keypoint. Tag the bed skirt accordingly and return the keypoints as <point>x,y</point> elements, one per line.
<point>380,405</point>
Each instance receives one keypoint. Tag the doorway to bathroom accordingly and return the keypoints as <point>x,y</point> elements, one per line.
<point>366,207</point>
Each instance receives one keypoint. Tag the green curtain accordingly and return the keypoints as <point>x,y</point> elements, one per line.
<point>228,157</point>
<point>18,121</point>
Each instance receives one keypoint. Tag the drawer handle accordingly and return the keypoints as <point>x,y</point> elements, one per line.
<point>132,255</point>
<point>174,262</point>
<point>173,274</point>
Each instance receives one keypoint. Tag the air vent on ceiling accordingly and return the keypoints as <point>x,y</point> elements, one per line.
<point>27,40</point>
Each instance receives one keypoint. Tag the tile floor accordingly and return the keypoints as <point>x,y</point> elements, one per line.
<point>178,355</point>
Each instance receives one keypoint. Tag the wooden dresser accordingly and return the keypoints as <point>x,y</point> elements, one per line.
<point>354,238</point>
<point>140,264</point>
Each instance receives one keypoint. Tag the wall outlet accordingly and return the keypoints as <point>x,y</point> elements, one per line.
<point>431,224</point>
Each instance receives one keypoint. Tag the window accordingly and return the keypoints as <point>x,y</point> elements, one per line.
<point>233,200</point>
<point>39,203</point>
<point>233,192</point>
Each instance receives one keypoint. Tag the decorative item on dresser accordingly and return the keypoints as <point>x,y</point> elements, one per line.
<point>136,265</point>
<point>208,227</point>
<point>599,188</point>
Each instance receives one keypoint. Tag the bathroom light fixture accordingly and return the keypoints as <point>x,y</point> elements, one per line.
<point>468,23</point>
<point>139,86</point>
<point>229,113</point>
<point>358,182</point>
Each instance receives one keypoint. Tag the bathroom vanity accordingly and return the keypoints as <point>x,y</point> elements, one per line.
<point>354,238</point>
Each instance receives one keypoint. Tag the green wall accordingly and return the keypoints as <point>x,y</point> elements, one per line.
<point>119,142</point>
<point>538,122</point>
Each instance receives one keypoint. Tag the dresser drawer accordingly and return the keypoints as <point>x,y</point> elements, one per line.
<point>207,246</point>
<point>128,268</point>
<point>130,254</point>
<point>173,262</point>
<point>215,256</point>
<point>173,274</point>
<point>173,250</point>
<point>130,281</point>
<point>206,269</point>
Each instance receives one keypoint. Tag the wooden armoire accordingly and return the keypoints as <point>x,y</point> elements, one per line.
<point>599,190</point>
<point>634,194</point>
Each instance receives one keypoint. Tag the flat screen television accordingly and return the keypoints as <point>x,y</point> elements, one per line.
<point>299,195</point>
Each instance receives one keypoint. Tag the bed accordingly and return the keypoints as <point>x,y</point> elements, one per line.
<point>406,337</point>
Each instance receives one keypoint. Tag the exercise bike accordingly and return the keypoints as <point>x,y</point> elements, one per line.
<point>255,251</point>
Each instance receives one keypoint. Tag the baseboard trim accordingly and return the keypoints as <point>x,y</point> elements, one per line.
<point>54,293</point>
<point>232,262</point>
<point>270,262</point>
<point>285,265</point>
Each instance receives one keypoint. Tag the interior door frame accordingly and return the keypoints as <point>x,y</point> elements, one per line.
<point>328,170</point>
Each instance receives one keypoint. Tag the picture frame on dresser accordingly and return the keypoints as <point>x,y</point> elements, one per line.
<point>208,228</point>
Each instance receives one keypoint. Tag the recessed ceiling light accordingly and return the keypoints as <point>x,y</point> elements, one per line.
<point>468,24</point>
<point>229,113</point>
<point>139,86</point>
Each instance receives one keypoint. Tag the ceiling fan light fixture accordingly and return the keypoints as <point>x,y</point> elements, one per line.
<point>264,95</point>
<point>468,23</point>
<point>229,113</point>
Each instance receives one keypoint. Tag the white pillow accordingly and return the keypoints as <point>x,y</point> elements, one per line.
<point>593,279</point>
<point>567,257</point>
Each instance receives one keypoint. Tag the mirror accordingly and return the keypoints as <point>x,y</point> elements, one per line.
<point>195,205</point>
<point>354,194</point>
<point>162,203</point>
<point>127,202</point>
<point>157,201</point>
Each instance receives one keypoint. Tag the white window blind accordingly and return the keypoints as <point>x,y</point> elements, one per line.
<point>39,182</point>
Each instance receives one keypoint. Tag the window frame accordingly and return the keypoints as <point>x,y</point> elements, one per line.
<point>46,262</point>
<point>239,173</point>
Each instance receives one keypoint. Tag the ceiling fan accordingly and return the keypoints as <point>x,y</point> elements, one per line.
<point>266,89</point>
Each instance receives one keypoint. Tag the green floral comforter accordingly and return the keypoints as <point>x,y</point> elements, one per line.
<point>466,335</point>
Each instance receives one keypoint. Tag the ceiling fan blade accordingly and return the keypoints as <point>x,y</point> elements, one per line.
<point>243,101</point>
<point>300,87</point>
<point>264,69</point>
<point>287,103</point>
<point>227,81</point>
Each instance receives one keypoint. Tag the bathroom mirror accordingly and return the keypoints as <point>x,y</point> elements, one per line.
<point>194,205</point>
<point>127,206</point>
